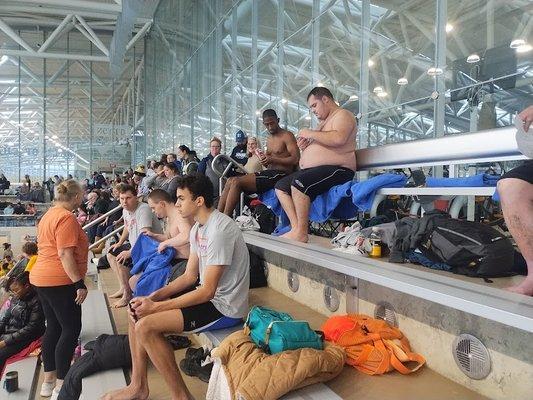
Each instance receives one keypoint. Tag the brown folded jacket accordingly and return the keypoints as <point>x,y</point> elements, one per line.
<point>254,375</point>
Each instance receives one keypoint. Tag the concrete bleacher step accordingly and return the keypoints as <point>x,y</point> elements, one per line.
<point>27,376</point>
<point>96,320</point>
<point>351,384</point>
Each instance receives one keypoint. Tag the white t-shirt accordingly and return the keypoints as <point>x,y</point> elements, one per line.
<point>139,219</point>
<point>220,242</point>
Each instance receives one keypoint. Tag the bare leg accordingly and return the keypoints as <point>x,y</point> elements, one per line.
<point>241,184</point>
<point>517,205</point>
<point>124,277</point>
<point>114,266</point>
<point>302,203</point>
<point>224,195</point>
<point>138,387</point>
<point>150,332</point>
<point>287,203</point>
<point>133,281</point>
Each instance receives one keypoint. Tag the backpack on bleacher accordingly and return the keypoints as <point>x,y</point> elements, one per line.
<point>471,248</point>
<point>372,346</point>
<point>265,217</point>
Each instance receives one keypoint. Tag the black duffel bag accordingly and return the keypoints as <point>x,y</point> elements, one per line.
<point>471,248</point>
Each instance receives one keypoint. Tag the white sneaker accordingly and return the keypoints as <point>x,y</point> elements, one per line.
<point>55,394</point>
<point>47,389</point>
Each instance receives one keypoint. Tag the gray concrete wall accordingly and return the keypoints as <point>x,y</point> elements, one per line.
<point>430,327</point>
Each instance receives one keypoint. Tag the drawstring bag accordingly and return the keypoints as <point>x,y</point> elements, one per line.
<point>372,346</point>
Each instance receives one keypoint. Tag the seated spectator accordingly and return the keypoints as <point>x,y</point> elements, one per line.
<point>29,251</point>
<point>253,147</point>
<point>173,159</point>
<point>327,160</point>
<point>219,258</point>
<point>239,152</point>
<point>4,183</point>
<point>176,232</point>
<point>163,158</point>
<point>7,250</point>
<point>189,162</point>
<point>24,321</point>
<point>280,159</point>
<point>205,166</point>
<point>19,209</point>
<point>30,209</point>
<point>137,218</point>
<point>7,264</point>
<point>9,210</point>
<point>138,175</point>
<point>157,179</point>
<point>516,193</point>
<point>172,177</point>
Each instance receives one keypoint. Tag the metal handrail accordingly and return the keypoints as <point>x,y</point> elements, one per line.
<point>102,217</point>
<point>95,244</point>
<point>231,162</point>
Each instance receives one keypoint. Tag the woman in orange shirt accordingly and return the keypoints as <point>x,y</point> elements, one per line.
<point>58,277</point>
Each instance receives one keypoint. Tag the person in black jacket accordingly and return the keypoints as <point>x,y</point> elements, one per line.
<point>24,320</point>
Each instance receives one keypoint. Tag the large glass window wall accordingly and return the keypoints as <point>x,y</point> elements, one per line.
<point>408,70</point>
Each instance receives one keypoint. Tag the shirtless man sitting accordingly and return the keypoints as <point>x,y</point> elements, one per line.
<point>176,232</point>
<point>328,159</point>
<point>280,160</point>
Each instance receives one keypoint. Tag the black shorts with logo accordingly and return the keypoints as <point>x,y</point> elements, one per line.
<point>267,179</point>
<point>126,246</point>
<point>315,181</point>
<point>523,172</point>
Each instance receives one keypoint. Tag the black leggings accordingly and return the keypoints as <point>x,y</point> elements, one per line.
<point>63,326</point>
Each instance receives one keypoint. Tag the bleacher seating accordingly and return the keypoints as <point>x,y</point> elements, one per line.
<point>27,376</point>
<point>96,321</point>
<point>395,385</point>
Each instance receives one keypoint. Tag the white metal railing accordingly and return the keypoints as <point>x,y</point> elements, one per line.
<point>231,163</point>
<point>103,239</point>
<point>102,217</point>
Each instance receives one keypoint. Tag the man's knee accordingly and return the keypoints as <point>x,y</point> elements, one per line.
<point>511,188</point>
<point>143,328</point>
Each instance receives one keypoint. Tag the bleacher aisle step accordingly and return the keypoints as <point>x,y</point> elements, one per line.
<point>96,320</point>
<point>27,370</point>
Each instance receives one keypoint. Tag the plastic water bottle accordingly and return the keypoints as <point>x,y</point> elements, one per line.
<point>375,241</point>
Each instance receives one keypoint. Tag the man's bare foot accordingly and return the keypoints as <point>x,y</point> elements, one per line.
<point>117,294</point>
<point>525,287</point>
<point>127,393</point>
<point>292,235</point>
<point>123,302</point>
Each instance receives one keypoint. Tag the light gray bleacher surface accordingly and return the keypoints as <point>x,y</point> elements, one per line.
<point>487,302</point>
<point>96,321</point>
<point>27,370</point>
<point>318,391</point>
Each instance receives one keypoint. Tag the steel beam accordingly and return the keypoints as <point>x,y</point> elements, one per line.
<point>56,56</point>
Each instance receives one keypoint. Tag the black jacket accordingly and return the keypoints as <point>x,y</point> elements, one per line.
<point>106,352</point>
<point>23,321</point>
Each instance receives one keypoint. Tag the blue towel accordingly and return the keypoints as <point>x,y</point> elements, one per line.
<point>363,193</point>
<point>155,267</point>
<point>470,181</point>
<point>341,202</point>
<point>478,180</point>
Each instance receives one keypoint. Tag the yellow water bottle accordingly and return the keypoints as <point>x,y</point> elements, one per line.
<point>375,241</point>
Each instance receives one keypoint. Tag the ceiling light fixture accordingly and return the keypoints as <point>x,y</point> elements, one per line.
<point>402,81</point>
<point>472,58</point>
<point>524,48</point>
<point>435,71</point>
<point>378,89</point>
<point>517,43</point>
<point>354,97</point>
<point>449,28</point>
<point>284,101</point>
<point>371,63</point>
<point>382,94</point>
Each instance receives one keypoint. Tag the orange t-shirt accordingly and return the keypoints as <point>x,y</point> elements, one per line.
<point>58,229</point>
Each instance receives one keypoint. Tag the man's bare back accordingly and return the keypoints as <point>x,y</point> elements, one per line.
<point>176,225</point>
